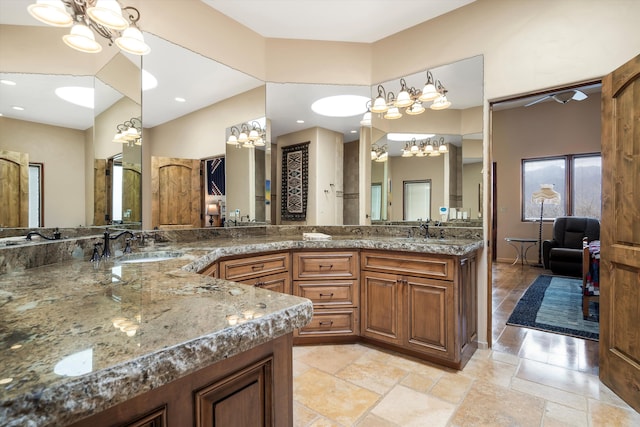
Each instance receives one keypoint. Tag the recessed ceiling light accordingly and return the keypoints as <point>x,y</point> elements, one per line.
<point>8,82</point>
<point>353,131</point>
<point>408,136</point>
<point>341,105</point>
<point>300,121</point>
<point>177,98</point>
<point>148,80</point>
<point>82,96</point>
<point>18,108</point>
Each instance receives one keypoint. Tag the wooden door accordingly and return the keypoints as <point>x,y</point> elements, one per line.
<point>175,193</point>
<point>14,189</point>
<point>620,233</point>
<point>381,307</point>
<point>101,198</point>
<point>131,192</point>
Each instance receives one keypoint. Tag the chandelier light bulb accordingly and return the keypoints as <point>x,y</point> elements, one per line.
<point>132,42</point>
<point>259,142</point>
<point>81,38</point>
<point>379,105</point>
<point>233,140</point>
<point>393,113</point>
<point>443,148</point>
<point>51,12</point>
<point>366,119</point>
<point>403,99</point>
<point>415,109</point>
<point>109,14</point>
<point>441,103</point>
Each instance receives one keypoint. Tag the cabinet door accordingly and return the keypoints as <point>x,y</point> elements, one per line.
<point>273,282</point>
<point>381,307</point>
<point>244,398</point>
<point>430,318</point>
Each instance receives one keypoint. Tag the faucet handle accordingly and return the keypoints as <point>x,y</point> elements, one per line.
<point>95,257</point>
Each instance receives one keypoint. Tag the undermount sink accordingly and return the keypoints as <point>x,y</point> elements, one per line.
<point>142,257</point>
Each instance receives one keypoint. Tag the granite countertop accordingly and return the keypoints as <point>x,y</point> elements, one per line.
<point>63,359</point>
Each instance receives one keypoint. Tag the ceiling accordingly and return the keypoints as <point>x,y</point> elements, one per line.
<point>362,21</point>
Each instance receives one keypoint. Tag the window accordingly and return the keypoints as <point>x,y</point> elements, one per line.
<point>417,200</point>
<point>36,195</point>
<point>376,201</point>
<point>578,179</point>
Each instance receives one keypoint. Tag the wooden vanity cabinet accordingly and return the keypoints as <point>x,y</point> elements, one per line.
<point>269,271</point>
<point>330,280</point>
<point>421,304</point>
<point>253,388</point>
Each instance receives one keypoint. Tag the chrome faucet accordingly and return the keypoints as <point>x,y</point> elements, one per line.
<point>56,235</point>
<point>425,226</point>
<point>106,252</point>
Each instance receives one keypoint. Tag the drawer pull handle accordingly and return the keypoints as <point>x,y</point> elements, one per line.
<point>257,267</point>
<point>326,295</point>
<point>330,266</point>
<point>325,323</point>
<point>259,284</point>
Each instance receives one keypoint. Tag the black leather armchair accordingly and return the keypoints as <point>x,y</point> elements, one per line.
<point>563,254</point>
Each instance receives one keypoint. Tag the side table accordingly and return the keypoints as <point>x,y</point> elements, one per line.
<point>521,251</point>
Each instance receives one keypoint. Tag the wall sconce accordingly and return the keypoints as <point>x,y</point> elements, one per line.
<point>129,132</point>
<point>425,148</point>
<point>379,154</point>
<point>212,210</point>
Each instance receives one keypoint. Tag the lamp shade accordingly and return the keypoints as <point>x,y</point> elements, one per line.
<point>81,38</point>
<point>212,209</point>
<point>546,194</point>
<point>51,12</point>
<point>132,42</point>
<point>109,14</point>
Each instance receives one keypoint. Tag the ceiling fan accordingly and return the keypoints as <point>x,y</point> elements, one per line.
<point>561,97</point>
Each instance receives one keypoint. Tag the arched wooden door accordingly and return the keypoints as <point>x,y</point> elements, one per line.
<point>14,189</point>
<point>175,193</point>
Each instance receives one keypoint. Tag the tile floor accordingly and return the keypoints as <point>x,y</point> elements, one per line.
<point>528,378</point>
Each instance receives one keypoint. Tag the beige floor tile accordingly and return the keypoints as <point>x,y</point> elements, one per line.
<point>373,375</point>
<point>490,370</point>
<point>332,397</point>
<point>323,422</point>
<point>562,397</point>
<point>302,416</point>
<point>332,358</point>
<point>408,408</point>
<point>511,359</point>
<point>373,421</point>
<point>451,387</point>
<point>419,382</point>
<point>489,405</point>
<point>299,368</point>
<point>557,377</point>
<point>604,414</point>
<point>556,415</point>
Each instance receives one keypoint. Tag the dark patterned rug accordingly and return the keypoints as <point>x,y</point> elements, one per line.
<point>554,304</point>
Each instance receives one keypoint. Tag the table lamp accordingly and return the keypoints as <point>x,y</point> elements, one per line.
<point>547,194</point>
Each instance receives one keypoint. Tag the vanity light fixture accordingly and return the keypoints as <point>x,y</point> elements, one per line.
<point>129,132</point>
<point>379,154</point>
<point>410,98</point>
<point>247,135</point>
<point>425,148</point>
<point>89,17</point>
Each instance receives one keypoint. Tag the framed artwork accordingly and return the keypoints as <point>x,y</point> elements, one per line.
<point>215,176</point>
<point>295,182</point>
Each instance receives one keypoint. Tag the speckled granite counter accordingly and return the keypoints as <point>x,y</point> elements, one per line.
<point>66,360</point>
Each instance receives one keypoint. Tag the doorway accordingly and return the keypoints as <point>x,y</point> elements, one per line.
<point>558,122</point>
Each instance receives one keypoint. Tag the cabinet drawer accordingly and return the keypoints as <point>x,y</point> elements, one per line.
<point>328,293</point>
<point>410,264</point>
<point>245,268</point>
<point>274,282</point>
<point>315,265</point>
<point>331,322</point>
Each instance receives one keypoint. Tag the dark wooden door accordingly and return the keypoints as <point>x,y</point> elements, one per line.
<point>620,233</point>
<point>175,193</point>
<point>14,189</point>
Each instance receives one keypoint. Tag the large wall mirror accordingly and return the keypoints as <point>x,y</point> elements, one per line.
<point>423,162</point>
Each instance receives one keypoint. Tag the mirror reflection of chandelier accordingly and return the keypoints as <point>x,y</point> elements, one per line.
<point>86,17</point>
<point>428,147</point>
<point>247,135</point>
<point>411,99</point>
<point>129,132</point>
<point>379,154</point>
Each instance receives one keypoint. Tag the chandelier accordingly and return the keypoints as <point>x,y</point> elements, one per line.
<point>129,132</point>
<point>425,148</point>
<point>86,17</point>
<point>410,98</point>
<point>379,154</point>
<point>249,135</point>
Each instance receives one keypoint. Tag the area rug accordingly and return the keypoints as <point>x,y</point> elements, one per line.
<point>554,304</point>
